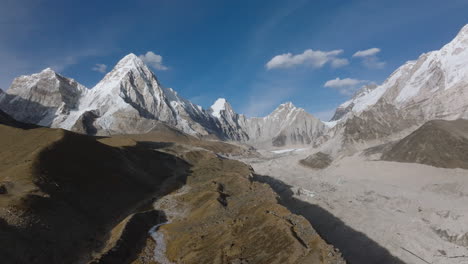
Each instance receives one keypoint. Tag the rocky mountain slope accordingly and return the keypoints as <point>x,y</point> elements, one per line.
<point>348,106</point>
<point>130,100</point>
<point>287,125</point>
<point>435,86</point>
<point>44,98</point>
<point>71,198</point>
<point>232,124</point>
<point>437,143</point>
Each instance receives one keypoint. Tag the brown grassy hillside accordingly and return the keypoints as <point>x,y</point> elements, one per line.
<point>63,191</point>
<point>437,143</point>
<point>71,198</point>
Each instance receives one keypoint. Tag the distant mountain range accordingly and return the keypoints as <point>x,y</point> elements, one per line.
<point>130,100</point>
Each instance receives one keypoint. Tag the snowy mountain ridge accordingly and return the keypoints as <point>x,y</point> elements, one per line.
<point>435,86</point>
<point>433,72</point>
<point>130,100</point>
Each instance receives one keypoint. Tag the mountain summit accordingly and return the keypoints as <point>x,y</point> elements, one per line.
<point>41,98</point>
<point>435,86</point>
<point>130,100</point>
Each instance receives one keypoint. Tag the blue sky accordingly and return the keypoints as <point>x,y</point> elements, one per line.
<point>213,48</point>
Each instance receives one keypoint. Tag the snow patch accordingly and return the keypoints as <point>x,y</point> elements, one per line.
<point>287,150</point>
<point>330,124</point>
<point>218,106</point>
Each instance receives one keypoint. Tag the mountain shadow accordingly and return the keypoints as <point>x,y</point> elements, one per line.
<point>356,247</point>
<point>65,194</point>
<point>134,238</point>
<point>27,111</point>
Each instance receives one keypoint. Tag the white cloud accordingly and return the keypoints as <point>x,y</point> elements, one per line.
<point>346,86</point>
<point>337,83</point>
<point>367,52</point>
<point>369,58</point>
<point>336,63</point>
<point>373,62</point>
<point>102,68</point>
<point>154,60</point>
<point>314,58</point>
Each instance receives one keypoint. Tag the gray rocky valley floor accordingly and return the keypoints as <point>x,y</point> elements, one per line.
<point>376,210</point>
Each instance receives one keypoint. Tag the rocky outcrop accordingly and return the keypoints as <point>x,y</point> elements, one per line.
<point>232,125</point>
<point>42,98</point>
<point>287,125</point>
<point>7,120</point>
<point>348,106</point>
<point>317,160</point>
<point>437,143</point>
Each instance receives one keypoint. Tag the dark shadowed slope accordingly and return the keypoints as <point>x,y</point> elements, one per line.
<point>71,198</point>
<point>7,120</point>
<point>63,192</point>
<point>437,143</point>
<point>356,247</point>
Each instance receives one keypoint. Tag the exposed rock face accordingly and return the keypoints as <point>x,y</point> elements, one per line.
<point>287,125</point>
<point>435,86</point>
<point>130,100</point>
<point>437,143</point>
<point>231,124</point>
<point>7,120</point>
<point>348,106</point>
<point>193,118</point>
<point>42,98</point>
<point>318,160</point>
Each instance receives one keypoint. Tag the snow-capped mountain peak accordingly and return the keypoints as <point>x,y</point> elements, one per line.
<point>41,97</point>
<point>284,110</point>
<point>221,107</point>
<point>286,105</point>
<point>130,61</point>
<point>218,106</point>
<point>435,86</point>
<point>128,64</point>
<point>48,70</point>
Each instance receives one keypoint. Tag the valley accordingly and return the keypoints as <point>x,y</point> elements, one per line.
<point>387,208</point>
<point>130,172</point>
